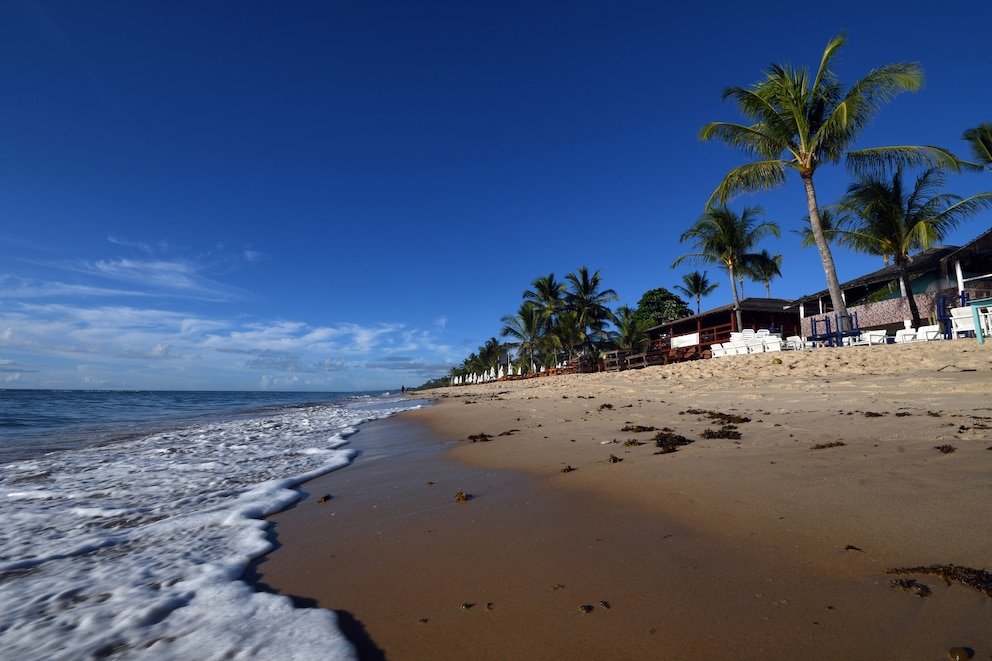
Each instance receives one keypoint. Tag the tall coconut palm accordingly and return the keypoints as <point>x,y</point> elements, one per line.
<point>883,216</point>
<point>726,239</point>
<point>549,295</point>
<point>489,356</point>
<point>527,328</point>
<point>590,303</point>
<point>979,140</point>
<point>802,121</point>
<point>567,335</point>
<point>631,333</point>
<point>763,268</point>
<point>696,285</point>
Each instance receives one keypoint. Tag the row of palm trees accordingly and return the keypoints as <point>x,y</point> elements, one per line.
<point>560,320</point>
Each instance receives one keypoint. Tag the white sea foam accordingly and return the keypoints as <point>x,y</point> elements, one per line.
<point>136,549</point>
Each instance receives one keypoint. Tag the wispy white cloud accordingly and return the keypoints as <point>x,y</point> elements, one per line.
<point>170,277</point>
<point>185,348</point>
<point>12,287</point>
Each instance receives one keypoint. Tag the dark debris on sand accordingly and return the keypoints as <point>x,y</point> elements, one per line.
<point>669,441</point>
<point>978,579</point>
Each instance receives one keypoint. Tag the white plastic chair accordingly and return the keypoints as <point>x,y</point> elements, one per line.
<point>872,337</point>
<point>928,333</point>
<point>739,347</point>
<point>962,322</point>
<point>905,335</point>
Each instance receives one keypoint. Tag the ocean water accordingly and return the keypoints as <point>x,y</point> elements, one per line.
<point>130,517</point>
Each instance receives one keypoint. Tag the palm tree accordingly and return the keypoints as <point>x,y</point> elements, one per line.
<point>722,237</point>
<point>527,327</point>
<point>589,302</point>
<point>801,122</point>
<point>979,139</point>
<point>488,357</point>
<point>631,331</point>
<point>696,285</point>
<point>567,335</point>
<point>763,268</point>
<point>549,295</point>
<point>881,216</point>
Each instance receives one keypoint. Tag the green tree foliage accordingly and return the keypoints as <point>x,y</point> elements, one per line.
<point>631,333</point>
<point>556,320</point>
<point>979,141</point>
<point>658,306</point>
<point>696,285</point>
<point>526,328</point>
<point>883,216</point>
<point>729,240</point>
<point>589,301</point>
<point>763,268</point>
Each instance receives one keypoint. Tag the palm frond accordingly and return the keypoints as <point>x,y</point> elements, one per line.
<point>868,162</point>
<point>750,178</point>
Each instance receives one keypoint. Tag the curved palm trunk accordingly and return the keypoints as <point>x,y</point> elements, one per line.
<point>833,285</point>
<point>737,301</point>
<point>914,310</point>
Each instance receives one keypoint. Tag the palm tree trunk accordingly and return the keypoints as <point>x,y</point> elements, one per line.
<point>833,285</point>
<point>737,301</point>
<point>914,310</point>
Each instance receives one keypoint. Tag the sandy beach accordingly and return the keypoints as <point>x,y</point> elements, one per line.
<point>765,521</point>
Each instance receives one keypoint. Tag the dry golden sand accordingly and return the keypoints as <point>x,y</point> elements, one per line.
<point>755,548</point>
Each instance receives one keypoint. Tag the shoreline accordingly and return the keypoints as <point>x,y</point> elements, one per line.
<point>737,548</point>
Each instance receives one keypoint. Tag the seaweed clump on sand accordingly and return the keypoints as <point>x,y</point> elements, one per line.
<point>479,438</point>
<point>638,429</point>
<point>921,590</point>
<point>945,449</point>
<point>727,421</point>
<point>726,431</point>
<point>978,579</point>
<point>669,441</point>
<point>824,446</point>
<point>718,418</point>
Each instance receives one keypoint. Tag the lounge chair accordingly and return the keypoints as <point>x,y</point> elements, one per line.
<point>927,333</point>
<point>739,347</point>
<point>795,342</point>
<point>905,335</point>
<point>962,322</point>
<point>871,337</point>
<point>772,343</point>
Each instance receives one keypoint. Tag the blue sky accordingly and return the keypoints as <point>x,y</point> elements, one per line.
<point>350,195</point>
